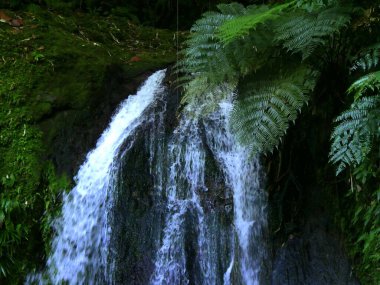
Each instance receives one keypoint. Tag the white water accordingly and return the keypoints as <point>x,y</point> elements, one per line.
<point>80,248</point>
<point>185,185</point>
<point>185,179</point>
<point>243,176</point>
<point>218,254</point>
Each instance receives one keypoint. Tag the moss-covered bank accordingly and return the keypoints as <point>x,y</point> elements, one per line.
<point>56,72</point>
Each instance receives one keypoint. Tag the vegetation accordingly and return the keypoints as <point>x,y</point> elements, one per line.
<point>158,13</point>
<point>275,57</point>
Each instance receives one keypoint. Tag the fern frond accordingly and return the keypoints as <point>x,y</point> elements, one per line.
<point>352,138</point>
<point>203,44</point>
<point>205,57</point>
<point>367,58</point>
<point>262,118</point>
<point>307,31</point>
<point>368,82</point>
<point>242,25</point>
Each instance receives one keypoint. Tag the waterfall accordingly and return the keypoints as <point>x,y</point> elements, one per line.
<point>80,247</point>
<point>243,176</point>
<point>162,200</point>
<point>185,180</point>
<point>186,183</point>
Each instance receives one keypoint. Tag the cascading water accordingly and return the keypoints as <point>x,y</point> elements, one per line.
<point>243,176</point>
<point>155,205</point>
<point>80,248</point>
<point>185,179</point>
<point>186,183</point>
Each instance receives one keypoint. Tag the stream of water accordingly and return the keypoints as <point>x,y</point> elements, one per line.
<point>80,248</point>
<point>196,243</point>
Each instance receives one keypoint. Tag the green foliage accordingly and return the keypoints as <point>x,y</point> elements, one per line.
<point>306,32</point>
<point>24,192</point>
<point>227,47</point>
<point>248,22</point>
<point>315,5</point>
<point>363,224</point>
<point>203,45</point>
<point>20,169</point>
<point>367,83</point>
<point>367,59</point>
<point>261,119</point>
<point>357,129</point>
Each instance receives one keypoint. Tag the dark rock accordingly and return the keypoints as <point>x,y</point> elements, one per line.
<point>309,249</point>
<point>314,258</point>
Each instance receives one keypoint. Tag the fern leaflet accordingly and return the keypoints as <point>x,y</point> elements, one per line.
<point>261,119</point>
<point>352,139</point>
<point>307,31</point>
<point>241,26</point>
<point>367,59</point>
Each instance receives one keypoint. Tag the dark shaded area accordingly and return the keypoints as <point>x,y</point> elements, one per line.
<point>158,13</point>
<point>305,194</point>
<point>315,258</point>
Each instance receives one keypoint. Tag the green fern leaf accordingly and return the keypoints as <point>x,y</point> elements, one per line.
<point>307,31</point>
<point>367,59</point>
<point>262,118</point>
<point>353,137</point>
<point>368,82</point>
<point>242,25</point>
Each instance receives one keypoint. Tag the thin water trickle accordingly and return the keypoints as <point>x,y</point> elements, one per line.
<point>243,175</point>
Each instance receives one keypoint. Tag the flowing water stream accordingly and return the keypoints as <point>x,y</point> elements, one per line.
<point>209,233</point>
<point>80,248</point>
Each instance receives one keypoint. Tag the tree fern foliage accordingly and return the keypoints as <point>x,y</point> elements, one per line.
<point>205,64</point>
<point>262,117</point>
<point>234,43</point>
<point>243,25</point>
<point>367,83</point>
<point>203,44</point>
<point>246,46</point>
<point>305,32</point>
<point>367,59</point>
<point>358,128</point>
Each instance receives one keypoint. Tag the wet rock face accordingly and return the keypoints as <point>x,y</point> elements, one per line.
<point>314,258</point>
<point>136,218</point>
<point>308,249</point>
